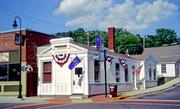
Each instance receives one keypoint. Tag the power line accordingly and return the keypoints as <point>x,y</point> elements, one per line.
<point>11,12</point>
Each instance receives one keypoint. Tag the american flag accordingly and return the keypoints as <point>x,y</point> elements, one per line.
<point>138,70</point>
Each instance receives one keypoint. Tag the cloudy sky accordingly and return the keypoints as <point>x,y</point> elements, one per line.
<point>51,16</point>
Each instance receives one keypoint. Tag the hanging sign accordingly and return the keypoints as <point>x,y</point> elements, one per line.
<point>61,59</point>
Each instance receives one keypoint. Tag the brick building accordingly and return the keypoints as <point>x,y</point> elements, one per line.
<point>9,61</point>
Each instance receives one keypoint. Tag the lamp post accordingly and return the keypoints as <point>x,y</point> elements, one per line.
<point>20,54</point>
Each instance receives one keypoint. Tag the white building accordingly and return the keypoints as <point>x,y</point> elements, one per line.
<point>69,68</point>
<point>168,61</point>
<point>148,72</point>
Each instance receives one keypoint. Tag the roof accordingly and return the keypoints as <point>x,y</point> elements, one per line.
<point>168,54</point>
<point>24,29</point>
<point>91,48</point>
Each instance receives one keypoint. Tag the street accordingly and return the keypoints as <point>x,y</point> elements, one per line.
<point>169,99</point>
<point>162,100</point>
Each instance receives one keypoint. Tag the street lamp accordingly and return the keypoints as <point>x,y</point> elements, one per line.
<point>20,50</point>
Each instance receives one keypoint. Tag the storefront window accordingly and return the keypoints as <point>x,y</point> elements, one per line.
<point>9,72</point>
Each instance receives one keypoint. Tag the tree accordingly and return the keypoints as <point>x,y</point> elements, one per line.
<point>166,36</point>
<point>125,40</point>
<point>80,36</point>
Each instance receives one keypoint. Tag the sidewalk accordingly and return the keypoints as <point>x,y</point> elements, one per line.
<point>96,98</point>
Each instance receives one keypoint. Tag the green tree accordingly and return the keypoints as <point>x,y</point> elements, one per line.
<point>162,36</point>
<point>80,36</point>
<point>125,40</point>
<point>166,36</point>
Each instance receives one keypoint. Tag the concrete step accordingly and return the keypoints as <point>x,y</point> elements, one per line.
<point>81,100</point>
<point>76,97</point>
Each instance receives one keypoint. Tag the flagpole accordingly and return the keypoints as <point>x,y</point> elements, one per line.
<point>135,82</point>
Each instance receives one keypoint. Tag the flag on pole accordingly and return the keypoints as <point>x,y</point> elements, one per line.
<point>74,62</point>
<point>138,70</point>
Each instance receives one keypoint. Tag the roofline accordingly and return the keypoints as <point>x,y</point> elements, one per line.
<point>14,30</point>
<point>23,29</point>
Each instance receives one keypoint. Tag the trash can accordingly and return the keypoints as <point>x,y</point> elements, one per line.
<point>113,90</point>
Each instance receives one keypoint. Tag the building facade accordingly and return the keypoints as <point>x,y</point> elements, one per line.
<point>10,65</point>
<point>69,68</point>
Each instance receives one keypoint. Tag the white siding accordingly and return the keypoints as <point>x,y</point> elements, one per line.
<point>170,70</point>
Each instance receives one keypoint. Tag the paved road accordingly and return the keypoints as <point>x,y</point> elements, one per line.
<point>172,94</point>
<point>164,100</point>
<point>115,105</point>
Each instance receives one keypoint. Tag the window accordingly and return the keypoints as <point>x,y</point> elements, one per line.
<point>96,71</point>
<point>133,72</point>
<point>163,68</point>
<point>9,72</point>
<point>126,74</point>
<point>14,70</point>
<point>154,71</point>
<point>150,75</point>
<point>78,71</point>
<point>3,73</point>
<point>47,72</point>
<point>117,72</point>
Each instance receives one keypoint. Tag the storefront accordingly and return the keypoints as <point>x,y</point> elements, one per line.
<point>10,64</point>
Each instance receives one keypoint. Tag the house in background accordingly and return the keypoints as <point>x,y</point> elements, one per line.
<point>147,72</point>
<point>10,65</point>
<point>68,68</point>
<point>168,61</point>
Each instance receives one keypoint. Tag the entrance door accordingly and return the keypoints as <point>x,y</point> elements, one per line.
<point>78,81</point>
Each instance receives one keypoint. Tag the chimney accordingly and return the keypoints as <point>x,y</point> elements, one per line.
<point>111,43</point>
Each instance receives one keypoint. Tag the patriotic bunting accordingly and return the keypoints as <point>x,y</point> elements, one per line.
<point>109,59</point>
<point>61,59</point>
<point>123,62</point>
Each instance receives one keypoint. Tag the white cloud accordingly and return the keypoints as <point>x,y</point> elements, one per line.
<point>104,13</point>
<point>77,8</point>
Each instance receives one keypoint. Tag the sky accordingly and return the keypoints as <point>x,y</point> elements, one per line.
<point>51,16</point>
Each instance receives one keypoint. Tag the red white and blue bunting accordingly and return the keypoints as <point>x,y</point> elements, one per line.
<point>61,59</point>
<point>109,59</point>
<point>123,62</point>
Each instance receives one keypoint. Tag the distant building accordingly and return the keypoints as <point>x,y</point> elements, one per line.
<point>167,58</point>
<point>9,61</point>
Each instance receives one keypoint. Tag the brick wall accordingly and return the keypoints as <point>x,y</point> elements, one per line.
<point>29,51</point>
<point>34,40</point>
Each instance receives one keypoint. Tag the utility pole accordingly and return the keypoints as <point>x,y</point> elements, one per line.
<point>144,38</point>
<point>105,75</point>
<point>87,38</point>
